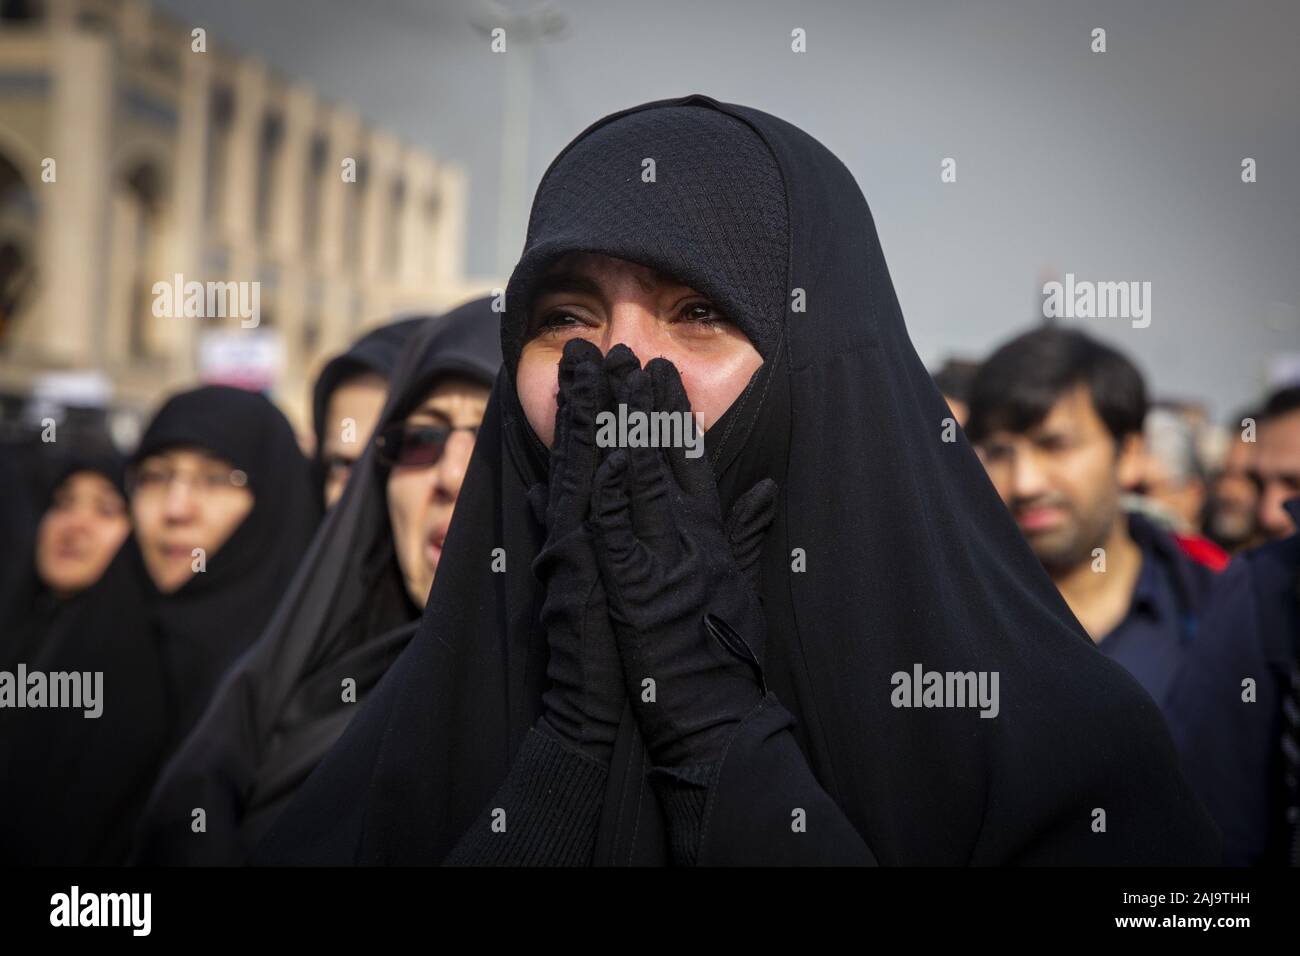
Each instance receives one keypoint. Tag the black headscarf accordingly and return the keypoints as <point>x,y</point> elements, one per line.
<point>348,616</point>
<point>379,351</point>
<point>910,555</point>
<point>75,786</point>
<point>34,609</point>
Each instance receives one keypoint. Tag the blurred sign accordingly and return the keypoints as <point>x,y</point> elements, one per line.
<point>54,392</point>
<point>1284,370</point>
<point>244,358</point>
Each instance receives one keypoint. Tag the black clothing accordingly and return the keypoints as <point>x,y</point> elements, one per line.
<point>32,610</point>
<point>1239,748</point>
<point>584,704</point>
<point>346,617</point>
<point>889,549</point>
<point>75,786</point>
<point>380,351</point>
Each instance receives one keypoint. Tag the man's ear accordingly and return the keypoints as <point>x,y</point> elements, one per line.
<point>1131,461</point>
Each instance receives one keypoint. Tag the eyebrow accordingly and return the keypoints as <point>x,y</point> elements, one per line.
<point>566,282</point>
<point>432,412</point>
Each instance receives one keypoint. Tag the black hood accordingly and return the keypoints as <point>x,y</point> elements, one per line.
<point>85,781</point>
<point>346,616</point>
<point>379,351</point>
<point>909,557</point>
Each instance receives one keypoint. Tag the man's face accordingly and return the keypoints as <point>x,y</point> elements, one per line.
<point>1277,471</point>
<point>1233,496</point>
<point>1063,478</point>
<point>350,416</point>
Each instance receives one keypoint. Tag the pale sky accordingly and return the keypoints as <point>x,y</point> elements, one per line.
<point>1115,166</point>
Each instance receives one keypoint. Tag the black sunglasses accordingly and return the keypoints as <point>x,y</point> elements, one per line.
<point>415,446</point>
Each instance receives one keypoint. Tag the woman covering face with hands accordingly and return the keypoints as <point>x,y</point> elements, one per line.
<point>640,657</point>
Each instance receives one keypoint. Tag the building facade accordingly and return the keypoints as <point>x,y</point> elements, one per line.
<point>135,151</point>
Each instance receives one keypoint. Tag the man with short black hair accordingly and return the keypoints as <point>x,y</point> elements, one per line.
<point>1057,419</point>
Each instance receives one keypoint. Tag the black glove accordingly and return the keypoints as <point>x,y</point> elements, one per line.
<point>585,701</point>
<point>685,616</point>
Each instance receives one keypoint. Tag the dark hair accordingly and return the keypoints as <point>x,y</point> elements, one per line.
<point>1019,383</point>
<point>955,378</point>
<point>1282,402</point>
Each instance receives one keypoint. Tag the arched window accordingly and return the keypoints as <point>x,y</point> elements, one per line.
<point>137,229</point>
<point>393,226</point>
<point>267,172</point>
<point>354,204</point>
<point>18,218</point>
<point>313,188</point>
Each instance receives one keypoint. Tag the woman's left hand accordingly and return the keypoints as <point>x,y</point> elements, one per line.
<point>689,626</point>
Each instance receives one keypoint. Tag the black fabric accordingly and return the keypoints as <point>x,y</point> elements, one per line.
<point>19,515</point>
<point>584,703</point>
<point>80,784</point>
<point>347,615</point>
<point>380,351</point>
<point>32,612</point>
<point>1237,751</point>
<point>685,616</point>
<point>545,813</point>
<point>910,558</point>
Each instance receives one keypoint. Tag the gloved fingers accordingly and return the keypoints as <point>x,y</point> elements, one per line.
<point>582,393</point>
<point>625,561</point>
<point>620,362</point>
<point>650,477</point>
<point>747,525</point>
<point>693,475</point>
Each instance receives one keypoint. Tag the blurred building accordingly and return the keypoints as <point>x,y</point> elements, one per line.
<point>128,157</point>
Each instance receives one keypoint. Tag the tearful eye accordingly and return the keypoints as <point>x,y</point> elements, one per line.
<point>701,317</point>
<point>557,323</point>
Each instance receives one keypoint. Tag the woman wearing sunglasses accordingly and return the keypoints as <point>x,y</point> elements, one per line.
<point>351,610</point>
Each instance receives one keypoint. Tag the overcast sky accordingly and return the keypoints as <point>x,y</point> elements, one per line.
<point>1123,165</point>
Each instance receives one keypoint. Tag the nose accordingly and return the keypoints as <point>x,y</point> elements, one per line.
<point>449,473</point>
<point>80,520</point>
<point>1028,479</point>
<point>634,325</point>
<point>179,504</point>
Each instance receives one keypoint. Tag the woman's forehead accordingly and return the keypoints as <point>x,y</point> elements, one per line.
<point>585,271</point>
<point>187,454</point>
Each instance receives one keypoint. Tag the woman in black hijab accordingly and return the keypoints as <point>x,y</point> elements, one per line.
<point>888,554</point>
<point>353,609</point>
<point>223,508</point>
<point>83,522</point>
<point>354,384</point>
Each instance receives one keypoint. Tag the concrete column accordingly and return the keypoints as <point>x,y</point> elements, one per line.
<point>448,247</point>
<point>240,195</point>
<point>186,240</point>
<point>75,208</point>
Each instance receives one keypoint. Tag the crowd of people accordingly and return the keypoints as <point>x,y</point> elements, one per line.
<point>626,654</point>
